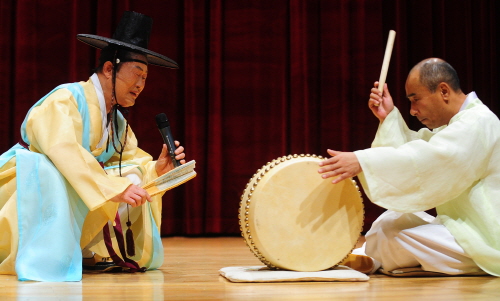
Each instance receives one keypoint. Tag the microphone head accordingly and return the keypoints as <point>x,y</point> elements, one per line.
<point>162,121</point>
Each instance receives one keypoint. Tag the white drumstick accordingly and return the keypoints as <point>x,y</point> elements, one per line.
<point>387,59</point>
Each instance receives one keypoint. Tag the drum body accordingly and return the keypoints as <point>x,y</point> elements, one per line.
<point>293,219</point>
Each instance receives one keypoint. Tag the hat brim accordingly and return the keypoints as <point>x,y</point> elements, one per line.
<point>153,57</point>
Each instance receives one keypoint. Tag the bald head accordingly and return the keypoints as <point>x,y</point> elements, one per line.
<point>434,71</point>
<point>434,92</point>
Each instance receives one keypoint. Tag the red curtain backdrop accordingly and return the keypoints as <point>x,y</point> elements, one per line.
<point>258,79</point>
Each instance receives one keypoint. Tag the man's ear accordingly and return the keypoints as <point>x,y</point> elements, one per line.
<point>107,69</point>
<point>444,91</point>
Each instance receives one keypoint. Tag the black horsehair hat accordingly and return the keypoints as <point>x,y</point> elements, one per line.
<point>132,33</point>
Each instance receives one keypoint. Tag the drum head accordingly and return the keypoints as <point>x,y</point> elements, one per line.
<point>293,219</point>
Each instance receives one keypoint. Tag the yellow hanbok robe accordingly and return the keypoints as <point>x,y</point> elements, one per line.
<point>454,168</point>
<point>55,129</point>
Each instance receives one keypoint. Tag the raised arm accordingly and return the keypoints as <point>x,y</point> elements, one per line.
<point>381,104</point>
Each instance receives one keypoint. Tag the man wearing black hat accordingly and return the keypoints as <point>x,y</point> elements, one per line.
<point>78,166</point>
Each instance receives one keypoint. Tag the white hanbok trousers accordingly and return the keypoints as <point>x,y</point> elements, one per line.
<point>401,240</point>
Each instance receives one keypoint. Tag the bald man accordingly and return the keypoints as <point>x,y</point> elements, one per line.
<point>452,165</point>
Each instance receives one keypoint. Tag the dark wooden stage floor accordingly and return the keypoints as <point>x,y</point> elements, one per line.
<point>190,272</point>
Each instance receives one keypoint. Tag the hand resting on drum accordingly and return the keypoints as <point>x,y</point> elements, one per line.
<point>341,165</point>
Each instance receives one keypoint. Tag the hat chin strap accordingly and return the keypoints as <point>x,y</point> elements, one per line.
<point>114,132</point>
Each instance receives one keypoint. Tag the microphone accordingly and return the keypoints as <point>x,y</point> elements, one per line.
<point>164,127</point>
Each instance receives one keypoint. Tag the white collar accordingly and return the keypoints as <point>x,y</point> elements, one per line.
<point>470,97</point>
<point>102,105</point>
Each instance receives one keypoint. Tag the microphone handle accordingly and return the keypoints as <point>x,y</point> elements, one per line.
<point>169,141</point>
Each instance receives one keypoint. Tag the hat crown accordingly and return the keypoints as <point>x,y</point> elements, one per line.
<point>132,33</point>
<point>134,28</point>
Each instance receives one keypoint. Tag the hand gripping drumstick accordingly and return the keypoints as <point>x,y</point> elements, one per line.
<point>387,59</point>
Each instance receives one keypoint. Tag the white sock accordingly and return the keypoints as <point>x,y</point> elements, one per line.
<point>86,253</point>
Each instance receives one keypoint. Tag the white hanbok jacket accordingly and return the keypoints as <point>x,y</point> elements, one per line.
<point>454,168</point>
